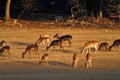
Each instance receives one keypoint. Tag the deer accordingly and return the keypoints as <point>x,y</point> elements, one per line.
<point>5,50</point>
<point>115,44</point>
<point>44,59</point>
<point>55,43</point>
<point>43,40</point>
<point>2,43</point>
<point>89,45</point>
<point>89,59</point>
<point>64,38</point>
<point>75,60</point>
<point>29,48</point>
<point>103,45</point>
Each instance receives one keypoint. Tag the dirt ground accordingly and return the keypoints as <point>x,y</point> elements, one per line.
<point>106,64</point>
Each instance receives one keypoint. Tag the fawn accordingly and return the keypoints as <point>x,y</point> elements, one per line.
<point>44,59</point>
<point>75,60</point>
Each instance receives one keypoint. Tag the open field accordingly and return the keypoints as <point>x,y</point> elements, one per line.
<point>106,64</point>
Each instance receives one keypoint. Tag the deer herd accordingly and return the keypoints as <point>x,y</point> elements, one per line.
<point>44,41</point>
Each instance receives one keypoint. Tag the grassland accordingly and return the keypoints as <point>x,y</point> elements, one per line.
<point>106,64</point>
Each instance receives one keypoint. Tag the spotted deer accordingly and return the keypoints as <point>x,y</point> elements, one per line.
<point>103,45</point>
<point>115,44</point>
<point>55,43</point>
<point>64,38</point>
<point>89,45</point>
<point>43,40</point>
<point>5,50</point>
<point>75,60</point>
<point>30,48</point>
<point>44,59</point>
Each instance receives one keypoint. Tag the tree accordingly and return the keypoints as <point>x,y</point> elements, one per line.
<point>100,10</point>
<point>113,9</point>
<point>7,11</point>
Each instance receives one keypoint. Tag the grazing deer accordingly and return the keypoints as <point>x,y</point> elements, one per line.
<point>55,43</point>
<point>43,40</point>
<point>103,45</point>
<point>89,60</point>
<point>115,44</point>
<point>2,43</point>
<point>75,60</point>
<point>44,59</point>
<point>30,48</point>
<point>64,38</point>
<point>5,50</point>
<point>89,45</point>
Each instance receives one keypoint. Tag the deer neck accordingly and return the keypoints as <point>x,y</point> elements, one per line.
<point>57,37</point>
<point>84,49</point>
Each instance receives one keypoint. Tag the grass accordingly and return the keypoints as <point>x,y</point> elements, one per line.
<point>60,61</point>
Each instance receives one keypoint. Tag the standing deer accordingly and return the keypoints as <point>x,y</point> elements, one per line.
<point>103,45</point>
<point>64,38</point>
<point>5,50</point>
<point>44,59</point>
<point>75,60</point>
<point>30,48</point>
<point>43,40</point>
<point>89,45</point>
<point>115,44</point>
<point>55,43</point>
<point>89,60</point>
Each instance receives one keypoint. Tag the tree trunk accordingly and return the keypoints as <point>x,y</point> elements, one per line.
<point>119,11</point>
<point>7,11</point>
<point>100,10</point>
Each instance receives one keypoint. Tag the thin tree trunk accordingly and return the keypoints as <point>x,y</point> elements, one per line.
<point>7,11</point>
<point>100,12</point>
<point>119,11</point>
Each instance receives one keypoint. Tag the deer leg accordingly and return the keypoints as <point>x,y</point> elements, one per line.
<point>46,62</point>
<point>38,53</point>
<point>9,53</point>
<point>69,43</point>
<point>61,47</point>
<point>118,46</point>
<point>1,54</point>
<point>53,48</point>
<point>96,49</point>
<point>23,55</point>
<point>106,47</point>
<point>100,48</point>
<point>29,54</point>
<point>42,43</point>
<point>89,50</point>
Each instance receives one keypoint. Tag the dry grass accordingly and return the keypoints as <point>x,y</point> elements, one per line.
<point>106,65</point>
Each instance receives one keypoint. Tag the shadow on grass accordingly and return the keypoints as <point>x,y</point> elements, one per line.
<point>68,51</point>
<point>20,43</point>
<point>62,50</point>
<point>55,63</point>
<point>26,62</point>
<point>58,63</point>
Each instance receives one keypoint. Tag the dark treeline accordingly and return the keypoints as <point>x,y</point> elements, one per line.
<point>53,6</point>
